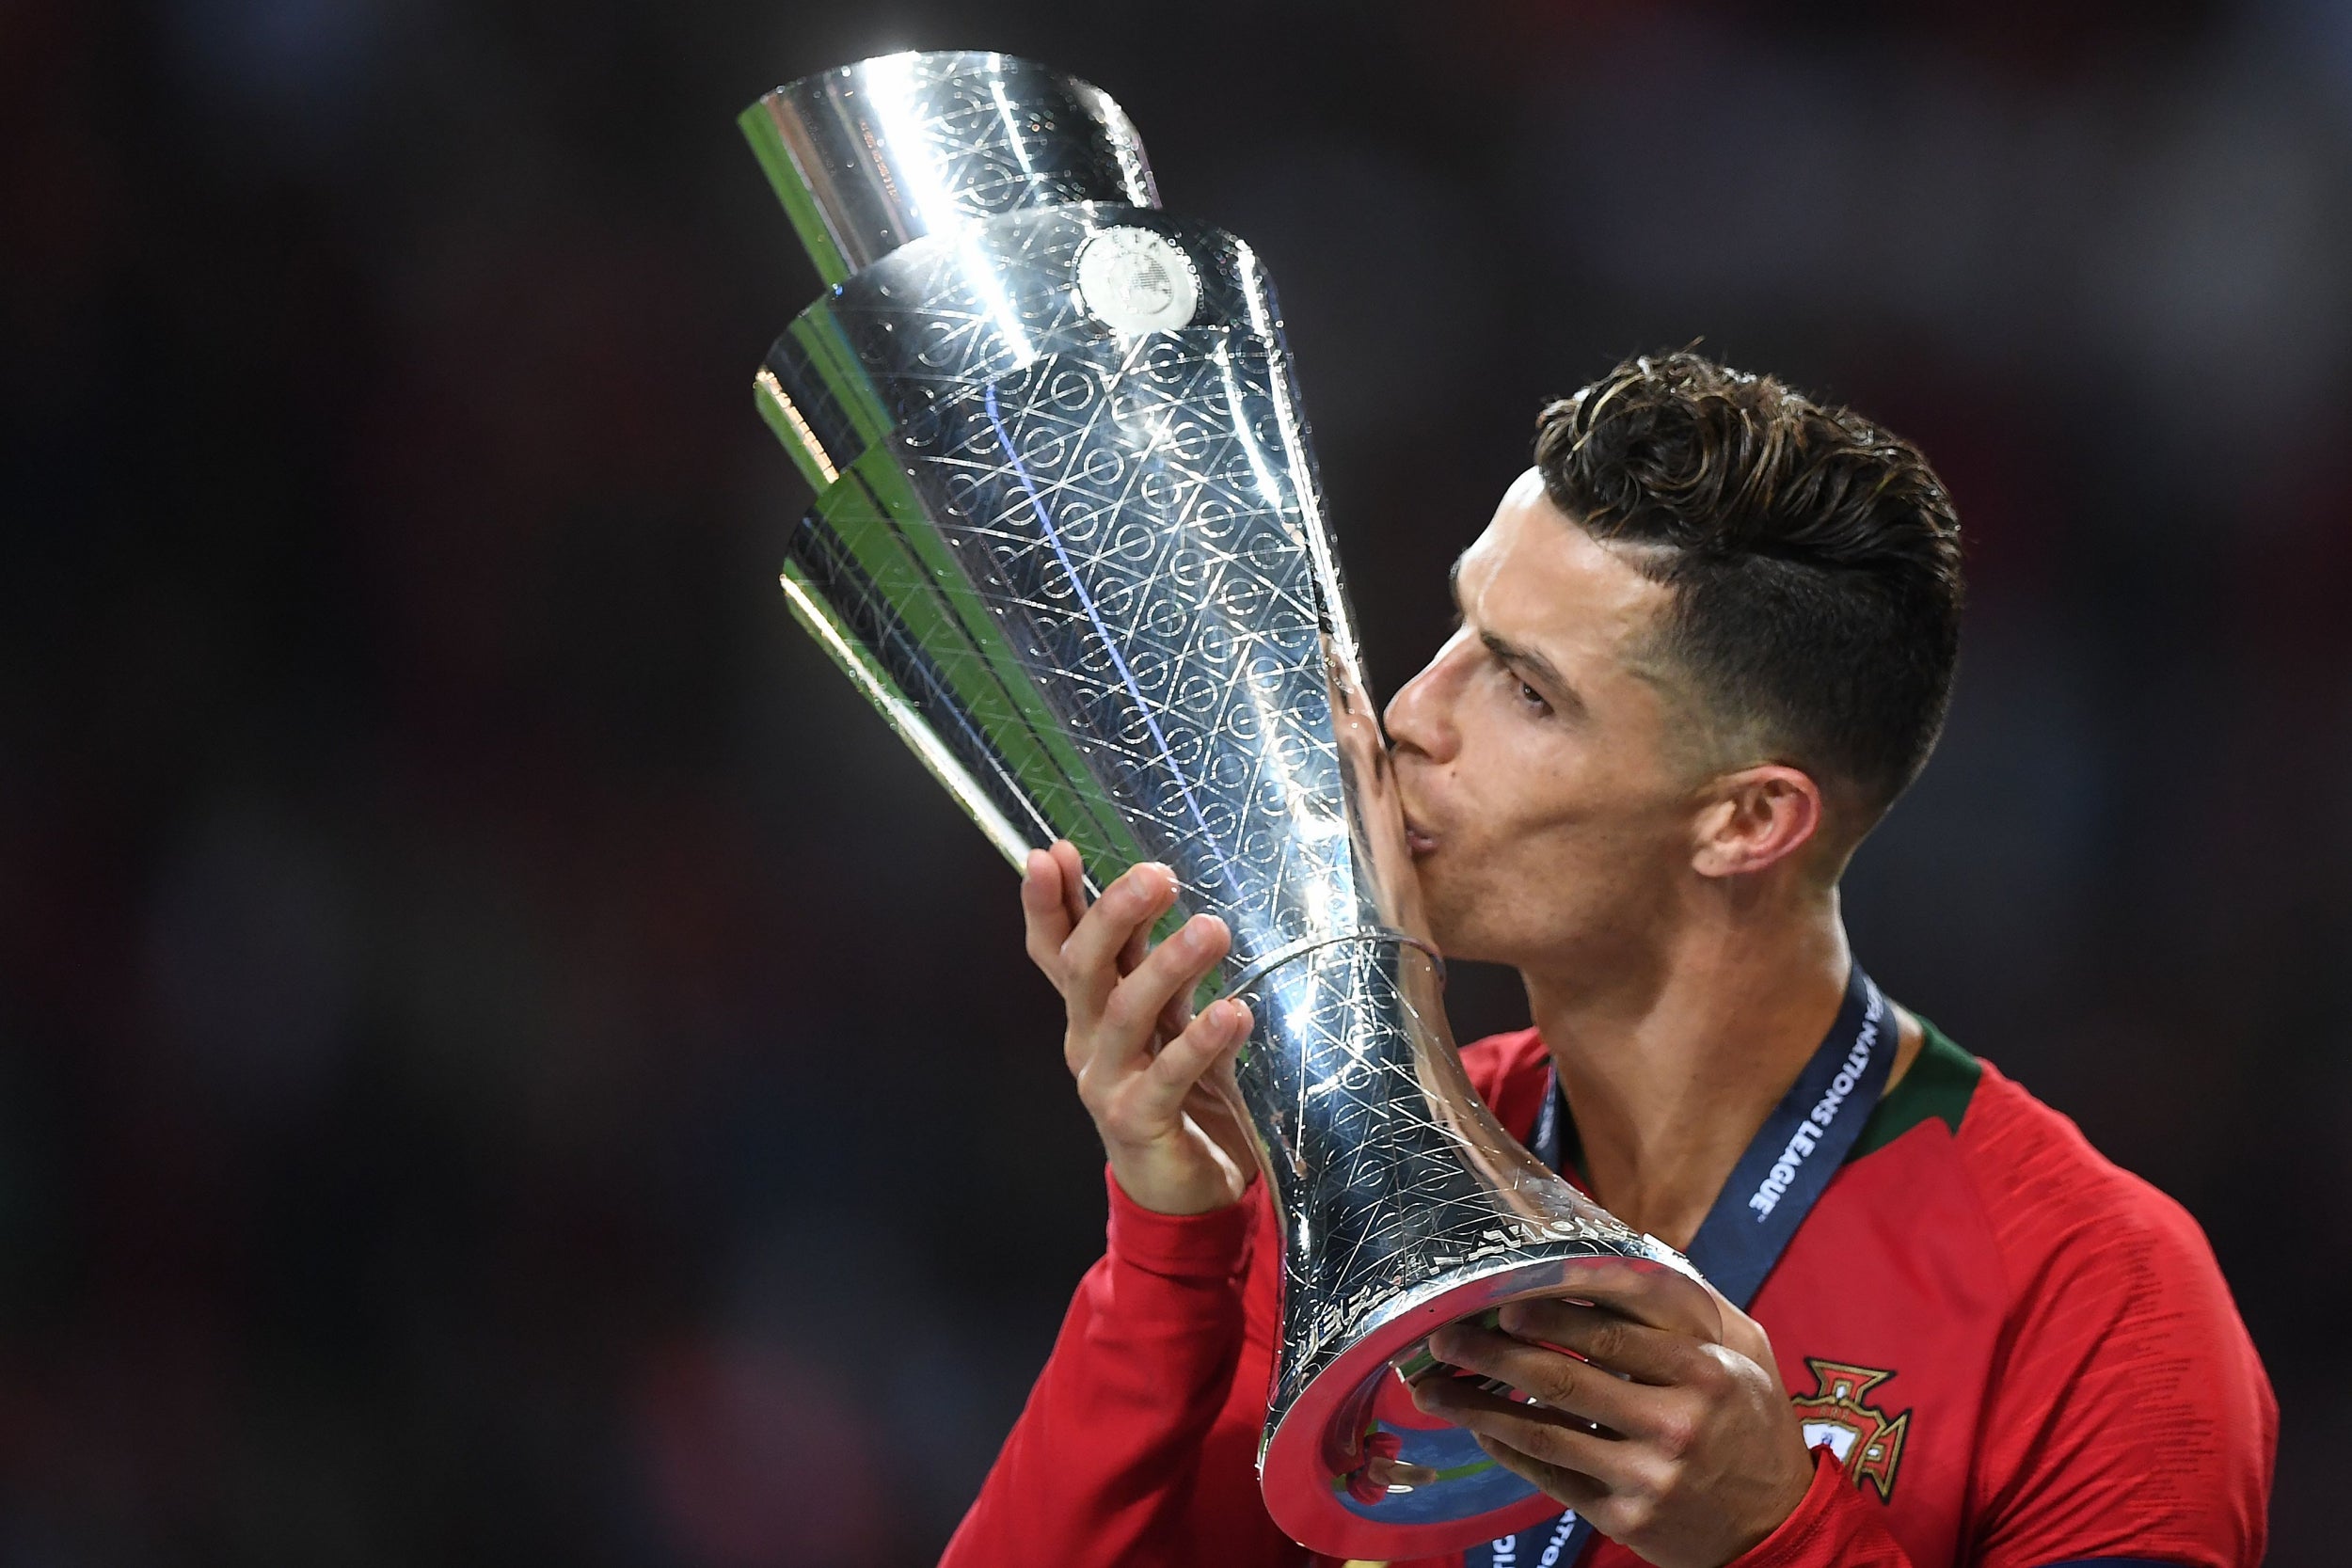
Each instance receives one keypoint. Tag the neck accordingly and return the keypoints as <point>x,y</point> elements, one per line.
<point>1672,1065</point>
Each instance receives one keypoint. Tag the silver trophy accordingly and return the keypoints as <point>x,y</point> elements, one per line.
<point>1067,537</point>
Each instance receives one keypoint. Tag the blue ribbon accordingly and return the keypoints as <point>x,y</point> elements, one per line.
<point>1754,1217</point>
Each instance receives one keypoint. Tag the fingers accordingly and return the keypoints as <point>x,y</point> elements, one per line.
<point>1131,1014</point>
<point>1074,880</point>
<point>1569,1385</point>
<point>1623,1346</point>
<point>1693,1456</point>
<point>1045,911</point>
<point>1090,956</point>
<point>1138,943</point>
<point>1053,901</point>
<point>1538,1432</point>
<point>1153,1099</point>
<point>1579,1492</point>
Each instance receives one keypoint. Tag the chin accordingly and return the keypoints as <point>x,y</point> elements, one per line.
<point>1471,952</point>
<point>1456,939</point>
<point>1457,927</point>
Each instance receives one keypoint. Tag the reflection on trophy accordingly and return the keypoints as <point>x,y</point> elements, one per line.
<point>1067,538</point>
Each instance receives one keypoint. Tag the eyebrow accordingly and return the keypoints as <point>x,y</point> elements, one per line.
<point>1511,653</point>
<point>1535,664</point>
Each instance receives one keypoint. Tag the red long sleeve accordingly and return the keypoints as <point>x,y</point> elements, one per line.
<point>1833,1528</point>
<point>1138,1442</point>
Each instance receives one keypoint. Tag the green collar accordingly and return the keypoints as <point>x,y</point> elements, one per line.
<point>1940,1082</point>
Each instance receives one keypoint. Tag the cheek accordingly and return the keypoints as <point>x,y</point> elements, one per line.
<point>1523,831</point>
<point>1568,814</point>
<point>1535,796</point>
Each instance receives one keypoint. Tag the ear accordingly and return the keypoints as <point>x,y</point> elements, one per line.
<point>1756,818</point>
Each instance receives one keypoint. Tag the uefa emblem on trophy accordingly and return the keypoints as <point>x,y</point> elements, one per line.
<point>1067,538</point>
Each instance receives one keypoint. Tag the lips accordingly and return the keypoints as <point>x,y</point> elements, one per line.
<point>1418,839</point>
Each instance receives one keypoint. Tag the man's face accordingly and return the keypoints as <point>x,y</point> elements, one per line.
<point>1547,765</point>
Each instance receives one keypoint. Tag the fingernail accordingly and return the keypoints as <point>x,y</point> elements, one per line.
<point>1514,1316</point>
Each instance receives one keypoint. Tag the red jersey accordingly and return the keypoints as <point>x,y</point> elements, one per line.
<point>2006,1352</point>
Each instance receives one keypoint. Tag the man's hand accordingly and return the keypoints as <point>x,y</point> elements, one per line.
<point>1147,1070</point>
<point>1697,1456</point>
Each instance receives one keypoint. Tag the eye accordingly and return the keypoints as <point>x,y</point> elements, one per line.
<point>1533,698</point>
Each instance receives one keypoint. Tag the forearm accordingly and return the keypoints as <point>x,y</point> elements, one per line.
<point>1105,1464</point>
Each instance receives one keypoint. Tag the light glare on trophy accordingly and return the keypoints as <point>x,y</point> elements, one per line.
<point>1068,539</point>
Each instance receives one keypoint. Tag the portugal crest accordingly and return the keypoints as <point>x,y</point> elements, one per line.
<point>1866,1441</point>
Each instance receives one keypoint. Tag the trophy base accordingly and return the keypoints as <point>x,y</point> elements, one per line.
<point>1353,1469</point>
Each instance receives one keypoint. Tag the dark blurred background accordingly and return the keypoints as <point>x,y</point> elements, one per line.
<point>503,1058</point>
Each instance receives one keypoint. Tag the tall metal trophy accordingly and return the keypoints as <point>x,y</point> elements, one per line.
<point>1067,537</point>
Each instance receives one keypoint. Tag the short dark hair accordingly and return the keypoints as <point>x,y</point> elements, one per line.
<point>1814,557</point>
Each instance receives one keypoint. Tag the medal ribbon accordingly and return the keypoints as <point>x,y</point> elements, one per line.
<point>1754,1217</point>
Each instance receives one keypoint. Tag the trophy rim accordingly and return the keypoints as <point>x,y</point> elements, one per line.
<point>1302,1491</point>
<point>812,81</point>
<point>855,194</point>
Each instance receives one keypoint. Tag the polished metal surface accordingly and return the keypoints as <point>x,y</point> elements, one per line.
<point>1069,538</point>
<point>875,154</point>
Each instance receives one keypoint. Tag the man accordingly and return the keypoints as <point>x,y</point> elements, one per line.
<point>1706,641</point>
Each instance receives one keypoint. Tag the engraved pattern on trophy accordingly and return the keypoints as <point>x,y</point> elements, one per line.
<point>1171,637</point>
<point>1353,1116</point>
<point>1124,521</point>
<point>1067,537</point>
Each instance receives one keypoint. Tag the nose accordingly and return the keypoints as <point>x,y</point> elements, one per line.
<point>1420,715</point>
